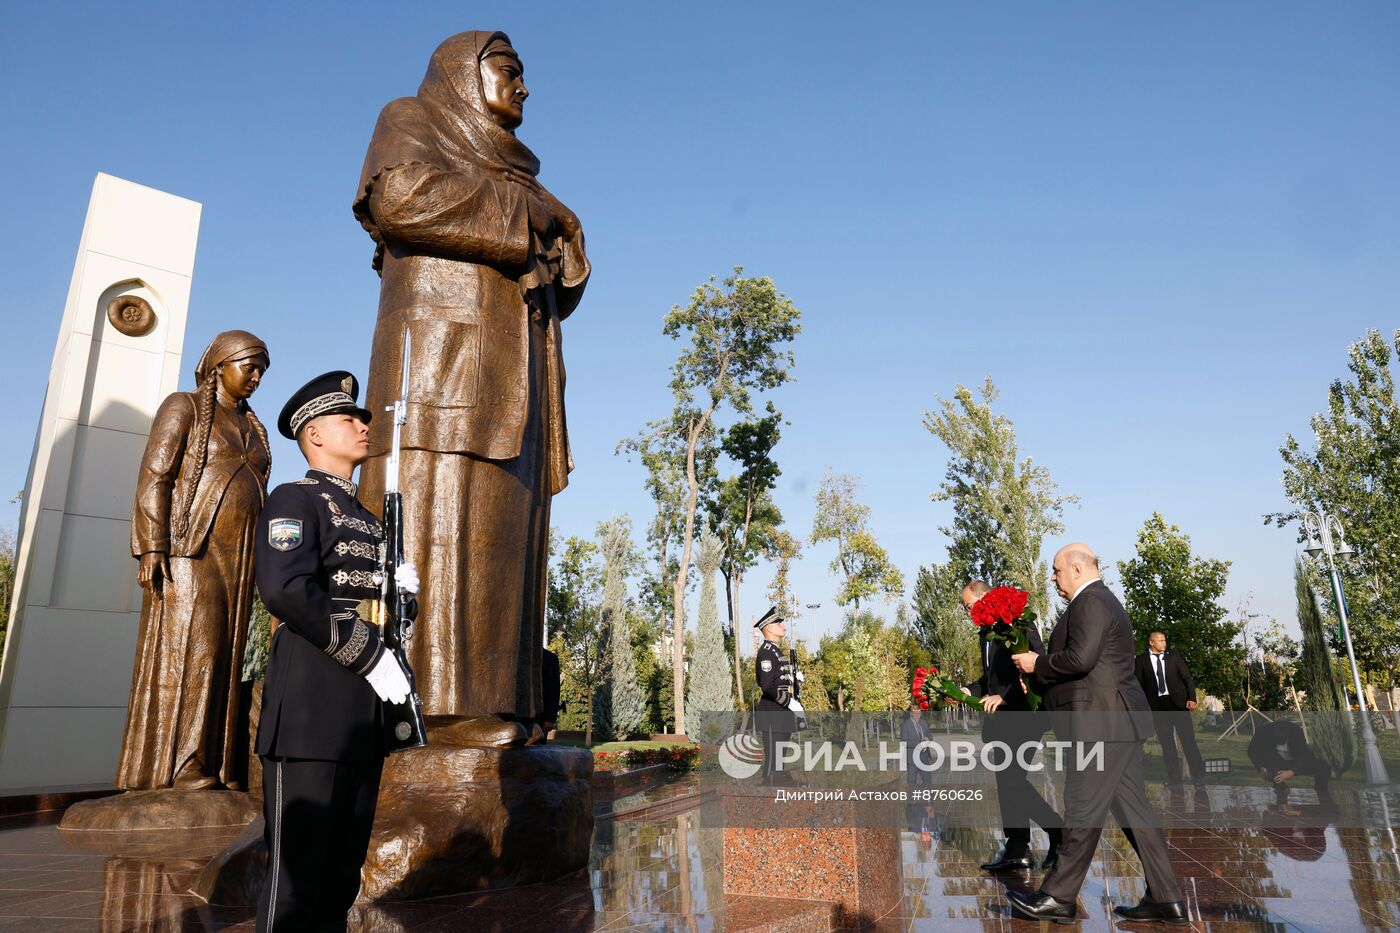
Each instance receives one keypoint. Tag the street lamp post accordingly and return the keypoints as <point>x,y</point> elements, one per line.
<point>1319,527</point>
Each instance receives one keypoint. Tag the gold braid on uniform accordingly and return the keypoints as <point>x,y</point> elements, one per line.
<point>204,423</point>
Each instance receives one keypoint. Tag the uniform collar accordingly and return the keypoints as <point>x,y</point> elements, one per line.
<point>350,488</point>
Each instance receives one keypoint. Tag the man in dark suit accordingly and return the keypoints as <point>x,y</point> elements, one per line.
<point>1171,692</point>
<point>1008,718</point>
<point>913,733</point>
<point>1280,751</point>
<point>1094,697</point>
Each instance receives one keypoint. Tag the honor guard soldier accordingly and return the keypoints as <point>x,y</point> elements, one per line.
<point>321,735</point>
<point>778,681</point>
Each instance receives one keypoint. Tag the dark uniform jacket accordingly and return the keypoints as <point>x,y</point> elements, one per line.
<point>1181,686</point>
<point>1089,670</point>
<point>777,681</point>
<point>317,557</point>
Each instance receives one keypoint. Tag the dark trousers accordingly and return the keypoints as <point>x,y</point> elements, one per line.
<point>1090,795</point>
<point>771,774</point>
<point>1021,804</point>
<point>318,816</point>
<point>1313,767</point>
<point>1171,724</point>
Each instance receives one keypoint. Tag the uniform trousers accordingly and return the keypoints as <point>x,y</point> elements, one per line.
<point>1092,794</point>
<point>317,821</point>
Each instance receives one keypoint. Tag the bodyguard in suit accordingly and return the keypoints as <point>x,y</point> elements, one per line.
<point>1280,751</point>
<point>777,682</point>
<point>321,736</point>
<point>1007,717</point>
<point>1093,696</point>
<point>1171,692</point>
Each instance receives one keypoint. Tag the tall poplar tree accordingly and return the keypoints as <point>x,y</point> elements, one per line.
<point>1353,473</point>
<point>1004,505</point>
<point>865,567</point>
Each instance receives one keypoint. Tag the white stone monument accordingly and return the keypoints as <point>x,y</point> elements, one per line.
<point>76,605</point>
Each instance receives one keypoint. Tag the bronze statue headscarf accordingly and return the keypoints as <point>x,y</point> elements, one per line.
<point>479,263</point>
<point>202,483</point>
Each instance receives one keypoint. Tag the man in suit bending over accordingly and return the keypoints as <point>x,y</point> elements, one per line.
<point>1093,696</point>
<point>1171,692</point>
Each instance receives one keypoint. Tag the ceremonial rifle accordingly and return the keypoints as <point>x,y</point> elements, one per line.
<point>397,611</point>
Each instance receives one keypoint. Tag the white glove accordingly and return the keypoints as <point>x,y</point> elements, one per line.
<point>801,677</point>
<point>387,679</point>
<point>407,578</point>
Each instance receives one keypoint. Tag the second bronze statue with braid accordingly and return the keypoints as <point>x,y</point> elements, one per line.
<point>202,483</point>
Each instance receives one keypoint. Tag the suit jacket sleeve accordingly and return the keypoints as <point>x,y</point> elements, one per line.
<point>1187,678</point>
<point>290,585</point>
<point>978,687</point>
<point>1087,624</point>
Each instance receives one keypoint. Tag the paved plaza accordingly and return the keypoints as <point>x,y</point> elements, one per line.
<point>657,864</point>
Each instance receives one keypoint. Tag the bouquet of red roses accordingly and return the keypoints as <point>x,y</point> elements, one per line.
<point>929,686</point>
<point>1003,612</point>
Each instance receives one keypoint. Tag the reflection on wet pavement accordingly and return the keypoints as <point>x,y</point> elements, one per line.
<point>1243,865</point>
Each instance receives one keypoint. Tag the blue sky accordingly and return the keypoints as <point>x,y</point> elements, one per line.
<point>1157,226</point>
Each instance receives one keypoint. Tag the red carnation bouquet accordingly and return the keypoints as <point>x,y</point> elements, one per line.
<point>1003,612</point>
<point>929,686</point>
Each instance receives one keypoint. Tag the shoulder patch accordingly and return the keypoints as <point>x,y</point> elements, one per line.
<point>305,481</point>
<point>766,664</point>
<point>284,534</point>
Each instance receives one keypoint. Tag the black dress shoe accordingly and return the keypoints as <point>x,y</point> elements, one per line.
<point>1037,905</point>
<point>1173,912</point>
<point>1008,864</point>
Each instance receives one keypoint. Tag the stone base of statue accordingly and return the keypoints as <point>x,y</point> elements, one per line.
<point>451,819</point>
<point>161,810</point>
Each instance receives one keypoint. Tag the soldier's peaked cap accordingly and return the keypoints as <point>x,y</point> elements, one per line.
<point>769,617</point>
<point>327,394</point>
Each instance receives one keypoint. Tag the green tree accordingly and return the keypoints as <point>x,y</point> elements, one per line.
<point>627,702</point>
<point>737,342</point>
<point>1167,588</point>
<point>782,550</point>
<point>1004,505</point>
<point>744,512</point>
<point>1273,660</point>
<point>1353,473</point>
<point>1329,720</point>
<point>865,566</point>
<point>255,650</point>
<point>576,619</point>
<point>708,691</point>
<point>941,625</point>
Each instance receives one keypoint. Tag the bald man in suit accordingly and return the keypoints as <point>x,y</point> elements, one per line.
<point>1093,696</point>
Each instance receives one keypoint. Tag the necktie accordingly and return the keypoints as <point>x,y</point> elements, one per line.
<point>1161,677</point>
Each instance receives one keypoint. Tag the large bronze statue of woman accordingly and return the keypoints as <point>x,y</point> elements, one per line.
<point>479,264</point>
<point>202,483</point>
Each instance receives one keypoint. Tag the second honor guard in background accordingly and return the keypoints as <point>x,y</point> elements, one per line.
<point>777,678</point>
<point>321,736</point>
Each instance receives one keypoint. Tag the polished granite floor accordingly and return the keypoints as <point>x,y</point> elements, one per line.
<point>656,865</point>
